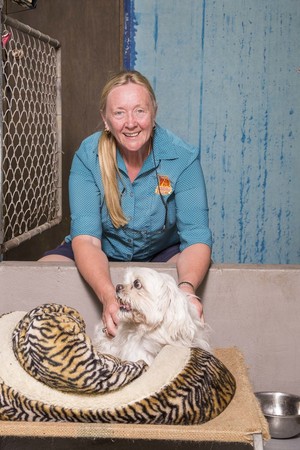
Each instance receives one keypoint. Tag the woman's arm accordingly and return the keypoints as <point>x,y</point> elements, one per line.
<point>93,265</point>
<point>195,236</point>
<point>192,265</point>
<point>86,228</point>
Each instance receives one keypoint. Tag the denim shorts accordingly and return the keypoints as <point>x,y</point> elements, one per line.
<point>65,249</point>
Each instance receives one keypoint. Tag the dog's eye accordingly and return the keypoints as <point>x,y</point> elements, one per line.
<point>137,284</point>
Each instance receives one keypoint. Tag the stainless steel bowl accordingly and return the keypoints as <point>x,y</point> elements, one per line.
<point>282,412</point>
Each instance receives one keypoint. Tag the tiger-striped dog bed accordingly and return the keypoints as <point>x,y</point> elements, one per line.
<point>49,371</point>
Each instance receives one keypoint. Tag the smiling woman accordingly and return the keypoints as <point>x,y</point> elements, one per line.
<point>137,193</point>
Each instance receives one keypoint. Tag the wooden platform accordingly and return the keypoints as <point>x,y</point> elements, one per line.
<point>242,421</point>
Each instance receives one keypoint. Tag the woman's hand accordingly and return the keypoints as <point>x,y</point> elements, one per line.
<point>196,301</point>
<point>193,298</point>
<point>93,265</point>
<point>110,315</point>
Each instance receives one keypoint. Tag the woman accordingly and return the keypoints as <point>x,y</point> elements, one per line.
<point>137,193</point>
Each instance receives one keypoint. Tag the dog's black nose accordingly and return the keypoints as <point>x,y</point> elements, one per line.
<point>119,287</point>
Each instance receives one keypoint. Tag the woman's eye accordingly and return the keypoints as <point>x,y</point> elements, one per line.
<point>139,112</point>
<point>119,114</point>
<point>137,284</point>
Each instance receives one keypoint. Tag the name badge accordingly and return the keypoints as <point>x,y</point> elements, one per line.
<point>164,185</point>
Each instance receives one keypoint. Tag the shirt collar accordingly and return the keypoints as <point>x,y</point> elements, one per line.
<point>164,144</point>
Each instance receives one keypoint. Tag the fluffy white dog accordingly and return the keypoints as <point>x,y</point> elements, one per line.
<point>153,312</point>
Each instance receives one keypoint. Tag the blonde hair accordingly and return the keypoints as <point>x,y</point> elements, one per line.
<point>107,147</point>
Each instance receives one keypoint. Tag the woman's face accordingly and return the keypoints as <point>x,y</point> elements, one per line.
<point>130,117</point>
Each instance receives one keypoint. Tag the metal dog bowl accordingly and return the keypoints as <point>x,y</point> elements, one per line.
<point>282,412</point>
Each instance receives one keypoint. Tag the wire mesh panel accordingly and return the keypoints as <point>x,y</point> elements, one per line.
<point>31,133</point>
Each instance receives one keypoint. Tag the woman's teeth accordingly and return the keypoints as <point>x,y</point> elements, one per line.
<point>131,134</point>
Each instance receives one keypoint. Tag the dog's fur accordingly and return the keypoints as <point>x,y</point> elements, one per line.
<point>153,312</point>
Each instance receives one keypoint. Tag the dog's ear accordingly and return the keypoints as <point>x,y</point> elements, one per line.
<point>178,321</point>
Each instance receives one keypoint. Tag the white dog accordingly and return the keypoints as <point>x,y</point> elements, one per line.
<point>153,312</point>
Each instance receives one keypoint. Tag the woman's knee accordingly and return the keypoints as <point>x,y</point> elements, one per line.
<point>54,258</point>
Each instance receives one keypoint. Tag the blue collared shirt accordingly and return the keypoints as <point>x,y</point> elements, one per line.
<point>178,214</point>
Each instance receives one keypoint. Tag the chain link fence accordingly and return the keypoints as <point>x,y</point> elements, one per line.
<point>30,147</point>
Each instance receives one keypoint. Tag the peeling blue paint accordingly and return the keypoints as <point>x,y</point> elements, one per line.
<point>201,72</point>
<point>155,29</point>
<point>227,78</point>
<point>130,23</point>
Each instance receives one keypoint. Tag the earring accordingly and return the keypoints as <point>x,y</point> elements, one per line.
<point>106,131</point>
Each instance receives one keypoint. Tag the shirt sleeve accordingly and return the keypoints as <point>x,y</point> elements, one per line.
<point>191,207</point>
<point>85,195</point>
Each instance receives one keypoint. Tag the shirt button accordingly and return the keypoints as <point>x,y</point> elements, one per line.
<point>130,241</point>
<point>131,194</point>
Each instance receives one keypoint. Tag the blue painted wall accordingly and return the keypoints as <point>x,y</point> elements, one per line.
<point>227,77</point>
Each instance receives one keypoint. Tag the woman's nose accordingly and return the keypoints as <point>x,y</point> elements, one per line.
<point>130,119</point>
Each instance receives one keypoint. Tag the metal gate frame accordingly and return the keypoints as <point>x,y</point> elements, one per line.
<point>17,239</point>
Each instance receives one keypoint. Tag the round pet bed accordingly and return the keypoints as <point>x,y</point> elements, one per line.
<point>45,353</point>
